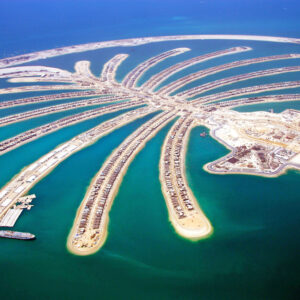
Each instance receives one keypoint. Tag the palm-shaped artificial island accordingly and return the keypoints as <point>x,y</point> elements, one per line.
<point>261,143</point>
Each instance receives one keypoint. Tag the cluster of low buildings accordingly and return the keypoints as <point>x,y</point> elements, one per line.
<point>254,159</point>
<point>230,80</point>
<point>155,80</point>
<point>203,73</point>
<point>256,100</point>
<point>109,69</point>
<point>246,91</point>
<point>46,98</point>
<point>173,161</point>
<point>56,108</point>
<point>171,87</point>
<point>18,140</point>
<point>262,143</point>
<point>132,77</point>
<point>13,192</point>
<point>101,190</point>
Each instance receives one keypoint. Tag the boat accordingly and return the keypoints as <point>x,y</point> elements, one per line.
<point>16,235</point>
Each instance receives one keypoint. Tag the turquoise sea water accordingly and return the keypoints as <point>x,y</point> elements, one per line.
<point>253,252</point>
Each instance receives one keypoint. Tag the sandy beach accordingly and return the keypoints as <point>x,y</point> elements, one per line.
<point>195,225</point>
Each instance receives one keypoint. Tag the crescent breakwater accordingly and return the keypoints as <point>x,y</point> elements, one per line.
<point>6,62</point>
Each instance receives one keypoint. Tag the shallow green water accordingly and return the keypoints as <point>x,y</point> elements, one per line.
<point>252,251</point>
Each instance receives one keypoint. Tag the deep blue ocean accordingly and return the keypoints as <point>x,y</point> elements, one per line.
<point>254,251</point>
<point>31,25</point>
